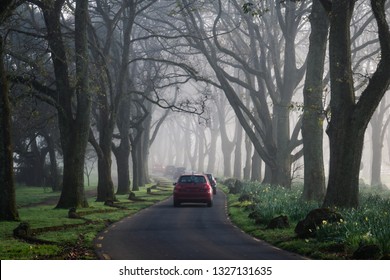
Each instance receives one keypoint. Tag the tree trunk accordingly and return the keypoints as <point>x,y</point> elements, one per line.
<point>144,151</point>
<point>135,184</point>
<point>349,119</point>
<point>106,122</point>
<point>111,101</point>
<point>105,188</point>
<point>345,140</point>
<point>376,158</point>
<point>237,167</point>
<point>248,159</point>
<point>201,149</point>
<point>214,134</point>
<point>256,167</point>
<point>178,143</point>
<point>74,128</point>
<point>72,194</point>
<point>122,154</point>
<point>140,161</point>
<point>54,176</point>
<point>39,166</point>
<point>346,145</point>
<point>378,131</point>
<point>282,172</point>
<point>8,210</point>
<point>388,146</point>
<point>136,156</point>
<point>188,148</point>
<point>136,165</point>
<point>227,162</point>
<point>226,145</point>
<point>312,123</point>
<point>212,150</point>
<point>145,145</point>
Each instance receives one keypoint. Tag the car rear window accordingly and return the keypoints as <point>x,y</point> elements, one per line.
<point>192,179</point>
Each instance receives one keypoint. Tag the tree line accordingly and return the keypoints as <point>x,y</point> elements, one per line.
<point>74,72</point>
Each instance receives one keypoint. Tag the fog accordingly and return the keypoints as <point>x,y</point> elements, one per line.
<point>212,86</point>
<point>166,151</point>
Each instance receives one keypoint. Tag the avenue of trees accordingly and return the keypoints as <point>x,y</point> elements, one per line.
<point>184,82</point>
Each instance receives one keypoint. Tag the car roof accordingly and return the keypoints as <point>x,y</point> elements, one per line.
<point>192,175</point>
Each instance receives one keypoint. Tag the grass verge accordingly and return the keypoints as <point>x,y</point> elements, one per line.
<point>58,237</point>
<point>367,225</point>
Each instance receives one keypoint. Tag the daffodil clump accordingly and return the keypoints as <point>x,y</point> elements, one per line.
<point>368,224</point>
<point>269,202</point>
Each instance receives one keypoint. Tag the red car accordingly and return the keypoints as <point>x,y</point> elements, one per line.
<point>194,188</point>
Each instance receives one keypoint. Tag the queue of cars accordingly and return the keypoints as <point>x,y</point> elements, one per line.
<point>194,188</point>
<point>191,187</point>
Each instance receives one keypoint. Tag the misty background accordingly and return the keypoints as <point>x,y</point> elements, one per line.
<point>212,86</point>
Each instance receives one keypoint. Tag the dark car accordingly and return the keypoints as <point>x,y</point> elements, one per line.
<point>213,182</point>
<point>179,171</point>
<point>170,171</point>
<point>193,188</point>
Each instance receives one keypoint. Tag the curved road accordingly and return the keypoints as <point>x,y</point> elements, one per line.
<point>189,232</point>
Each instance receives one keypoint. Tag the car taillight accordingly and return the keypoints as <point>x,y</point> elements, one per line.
<point>206,188</point>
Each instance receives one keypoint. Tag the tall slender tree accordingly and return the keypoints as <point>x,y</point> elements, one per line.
<point>67,89</point>
<point>110,96</point>
<point>74,127</point>
<point>237,166</point>
<point>8,210</point>
<point>71,96</point>
<point>227,141</point>
<point>378,131</point>
<point>313,114</point>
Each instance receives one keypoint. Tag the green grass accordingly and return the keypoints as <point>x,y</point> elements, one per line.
<point>71,238</point>
<point>369,224</point>
<point>31,195</point>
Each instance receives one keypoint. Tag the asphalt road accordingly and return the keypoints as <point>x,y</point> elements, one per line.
<point>189,232</point>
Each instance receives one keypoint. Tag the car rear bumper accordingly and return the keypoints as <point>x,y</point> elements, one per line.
<point>201,198</point>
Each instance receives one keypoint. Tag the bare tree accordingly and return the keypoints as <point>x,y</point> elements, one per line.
<point>349,116</point>
<point>67,89</point>
<point>236,41</point>
<point>112,75</point>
